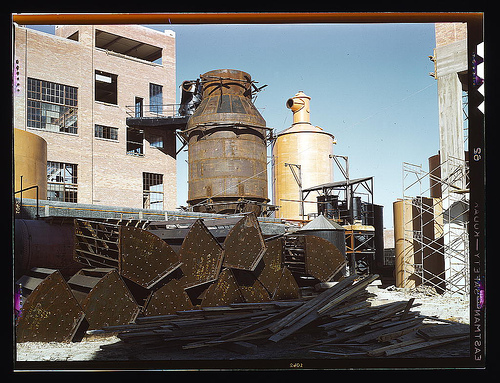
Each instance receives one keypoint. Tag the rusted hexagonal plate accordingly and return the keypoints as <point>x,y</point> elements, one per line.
<point>223,292</point>
<point>144,257</point>
<point>244,246</point>
<point>168,299</point>
<point>323,259</point>
<point>201,256</point>
<point>50,313</point>
<point>268,272</point>
<point>109,302</point>
<point>250,287</point>
<point>287,287</point>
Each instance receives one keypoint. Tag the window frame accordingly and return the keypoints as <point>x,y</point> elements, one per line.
<point>112,87</point>
<point>151,180</point>
<point>51,104</point>
<point>155,98</point>
<point>104,130</point>
<point>62,177</point>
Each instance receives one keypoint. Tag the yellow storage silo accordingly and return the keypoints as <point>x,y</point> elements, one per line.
<point>30,161</point>
<point>301,153</point>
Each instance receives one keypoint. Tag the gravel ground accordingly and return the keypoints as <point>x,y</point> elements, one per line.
<point>452,308</point>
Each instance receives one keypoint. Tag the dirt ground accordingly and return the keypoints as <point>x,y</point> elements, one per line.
<point>451,308</point>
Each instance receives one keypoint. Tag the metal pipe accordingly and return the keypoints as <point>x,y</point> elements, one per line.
<point>300,106</point>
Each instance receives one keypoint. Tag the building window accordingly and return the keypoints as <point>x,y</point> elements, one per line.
<point>152,191</point>
<point>52,106</point>
<point>106,89</point>
<point>155,141</point>
<point>62,181</point>
<point>138,106</point>
<point>135,141</point>
<point>155,98</point>
<point>106,132</point>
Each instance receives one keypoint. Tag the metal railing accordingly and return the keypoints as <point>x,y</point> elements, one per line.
<point>153,110</point>
<point>21,202</point>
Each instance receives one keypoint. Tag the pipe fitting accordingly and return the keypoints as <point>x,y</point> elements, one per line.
<point>299,105</point>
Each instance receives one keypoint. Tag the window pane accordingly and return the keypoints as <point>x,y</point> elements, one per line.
<point>62,181</point>
<point>152,191</point>
<point>56,111</point>
<point>155,98</point>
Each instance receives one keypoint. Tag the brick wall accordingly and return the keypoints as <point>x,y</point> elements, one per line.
<point>447,33</point>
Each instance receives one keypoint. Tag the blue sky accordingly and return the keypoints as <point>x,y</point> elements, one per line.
<point>369,84</point>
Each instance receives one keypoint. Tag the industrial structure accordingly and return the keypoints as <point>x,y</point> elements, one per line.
<point>227,146</point>
<point>431,220</point>
<point>98,248</point>
<point>75,90</point>
<point>301,159</point>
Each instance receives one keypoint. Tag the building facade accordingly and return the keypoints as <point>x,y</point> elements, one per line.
<point>76,88</point>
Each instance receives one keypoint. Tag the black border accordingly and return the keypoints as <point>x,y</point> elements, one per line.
<point>477,232</point>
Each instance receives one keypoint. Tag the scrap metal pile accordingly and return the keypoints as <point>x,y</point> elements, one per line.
<point>130,274</point>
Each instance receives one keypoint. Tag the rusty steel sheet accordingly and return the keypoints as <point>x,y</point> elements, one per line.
<point>104,297</point>
<point>167,300</point>
<point>323,260</point>
<point>287,287</point>
<point>223,292</point>
<point>244,246</point>
<point>50,313</point>
<point>145,258</point>
<point>269,270</point>
<point>201,256</point>
<point>250,287</point>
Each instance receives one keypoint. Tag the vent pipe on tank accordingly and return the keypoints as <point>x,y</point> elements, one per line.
<point>299,105</point>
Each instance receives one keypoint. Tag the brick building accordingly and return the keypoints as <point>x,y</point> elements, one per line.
<point>76,88</point>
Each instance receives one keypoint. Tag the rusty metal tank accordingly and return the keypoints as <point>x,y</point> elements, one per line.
<point>41,244</point>
<point>226,145</point>
<point>302,145</point>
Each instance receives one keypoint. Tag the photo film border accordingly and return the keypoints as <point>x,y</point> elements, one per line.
<point>477,210</point>
<point>477,216</point>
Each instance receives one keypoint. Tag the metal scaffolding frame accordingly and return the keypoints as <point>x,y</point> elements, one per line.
<point>447,216</point>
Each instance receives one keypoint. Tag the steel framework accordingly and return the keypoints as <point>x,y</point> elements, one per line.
<point>447,216</point>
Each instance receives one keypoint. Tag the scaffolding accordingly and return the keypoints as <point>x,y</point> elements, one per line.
<point>436,226</point>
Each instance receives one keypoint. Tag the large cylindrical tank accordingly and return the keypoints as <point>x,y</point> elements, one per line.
<point>227,144</point>
<point>41,244</point>
<point>305,145</point>
<point>406,274</point>
<point>30,161</point>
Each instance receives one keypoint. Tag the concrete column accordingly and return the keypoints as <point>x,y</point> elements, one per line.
<point>450,122</point>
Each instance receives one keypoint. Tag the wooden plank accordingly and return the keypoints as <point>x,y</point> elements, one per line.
<point>425,345</point>
<point>315,311</point>
<point>375,334</point>
<point>397,306</point>
<point>311,304</point>
<point>397,334</point>
<point>381,350</point>
<point>407,309</point>
<point>358,286</point>
<point>444,331</point>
